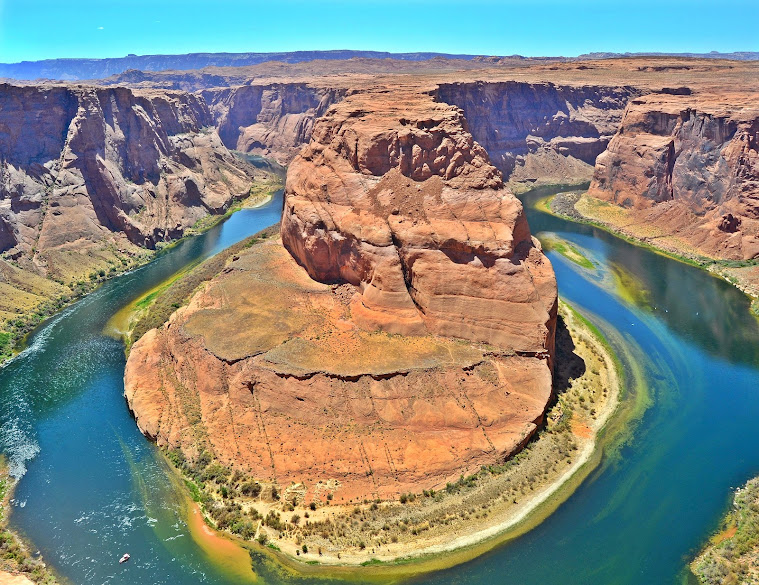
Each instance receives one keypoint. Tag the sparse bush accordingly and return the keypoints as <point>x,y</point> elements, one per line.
<point>251,489</point>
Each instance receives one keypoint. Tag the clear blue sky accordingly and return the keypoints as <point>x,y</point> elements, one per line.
<point>39,29</point>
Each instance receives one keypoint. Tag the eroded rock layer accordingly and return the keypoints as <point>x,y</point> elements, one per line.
<point>273,120</point>
<point>82,166</point>
<point>404,340</point>
<point>688,165</point>
<point>541,131</point>
<point>394,196</point>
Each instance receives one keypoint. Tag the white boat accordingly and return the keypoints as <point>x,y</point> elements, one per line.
<point>125,558</point>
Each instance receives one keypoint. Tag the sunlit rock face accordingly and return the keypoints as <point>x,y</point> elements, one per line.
<point>394,196</point>
<point>83,165</point>
<point>689,165</point>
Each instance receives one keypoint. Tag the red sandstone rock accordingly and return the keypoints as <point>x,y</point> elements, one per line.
<point>412,374</point>
<point>83,166</point>
<point>690,165</point>
<point>394,196</point>
<point>343,411</point>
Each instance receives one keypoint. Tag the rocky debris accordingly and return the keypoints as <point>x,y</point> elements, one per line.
<point>564,204</point>
<point>729,223</point>
<point>689,164</point>
<point>393,196</point>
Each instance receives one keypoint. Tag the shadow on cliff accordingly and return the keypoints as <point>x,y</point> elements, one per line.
<point>569,365</point>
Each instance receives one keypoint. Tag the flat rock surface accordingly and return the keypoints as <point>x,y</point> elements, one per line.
<point>316,399</point>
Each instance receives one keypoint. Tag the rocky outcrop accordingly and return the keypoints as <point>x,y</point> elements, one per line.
<point>268,372</point>
<point>82,166</point>
<point>409,344</point>
<point>540,130</point>
<point>395,197</point>
<point>689,165</point>
<point>273,120</point>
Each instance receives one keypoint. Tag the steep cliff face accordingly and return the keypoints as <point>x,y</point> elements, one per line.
<point>81,166</point>
<point>689,165</point>
<point>268,371</point>
<point>271,120</point>
<point>394,196</point>
<point>409,344</point>
<point>540,130</point>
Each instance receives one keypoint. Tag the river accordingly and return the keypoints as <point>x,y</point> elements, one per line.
<point>94,488</point>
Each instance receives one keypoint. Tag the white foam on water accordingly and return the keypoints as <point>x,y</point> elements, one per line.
<point>41,338</point>
<point>17,445</point>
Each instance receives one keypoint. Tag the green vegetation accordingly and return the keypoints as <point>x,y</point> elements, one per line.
<point>568,250</point>
<point>14,556</point>
<point>731,553</point>
<point>629,287</point>
<point>214,486</point>
<point>546,205</point>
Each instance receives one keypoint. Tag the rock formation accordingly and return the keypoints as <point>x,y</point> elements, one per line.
<point>541,131</point>
<point>393,196</point>
<point>409,344</point>
<point>87,167</point>
<point>688,165</point>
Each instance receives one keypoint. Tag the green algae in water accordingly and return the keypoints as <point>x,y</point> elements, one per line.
<point>629,287</point>
<point>551,242</point>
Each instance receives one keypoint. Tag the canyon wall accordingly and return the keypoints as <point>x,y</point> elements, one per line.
<point>689,166</point>
<point>272,120</point>
<point>540,131</point>
<point>84,166</point>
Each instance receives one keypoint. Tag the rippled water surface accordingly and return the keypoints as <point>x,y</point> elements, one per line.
<point>95,488</point>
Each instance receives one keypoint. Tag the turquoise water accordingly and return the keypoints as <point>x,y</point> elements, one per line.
<point>94,487</point>
<point>647,510</point>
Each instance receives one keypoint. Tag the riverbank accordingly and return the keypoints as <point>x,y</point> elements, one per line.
<point>469,516</point>
<point>18,566</point>
<point>156,306</point>
<point>579,206</point>
<point>732,554</point>
<point>29,299</point>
